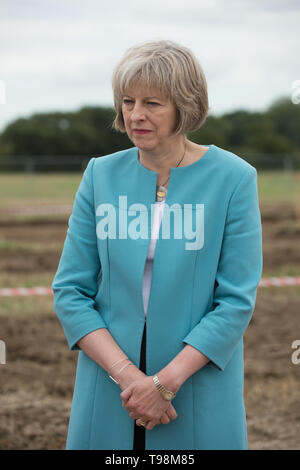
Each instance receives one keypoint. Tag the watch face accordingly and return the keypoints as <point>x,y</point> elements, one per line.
<point>168,395</point>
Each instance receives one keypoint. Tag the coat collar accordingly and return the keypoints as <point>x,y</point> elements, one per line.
<point>182,179</point>
<point>181,169</point>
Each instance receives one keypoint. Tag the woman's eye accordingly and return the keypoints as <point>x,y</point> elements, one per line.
<point>127,101</point>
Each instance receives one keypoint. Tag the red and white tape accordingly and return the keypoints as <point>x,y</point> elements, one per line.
<point>279,281</point>
<point>29,291</point>
<point>16,291</point>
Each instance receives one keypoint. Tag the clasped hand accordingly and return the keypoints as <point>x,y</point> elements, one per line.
<point>143,401</point>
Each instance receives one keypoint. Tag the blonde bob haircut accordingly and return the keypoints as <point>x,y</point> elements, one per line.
<point>174,71</point>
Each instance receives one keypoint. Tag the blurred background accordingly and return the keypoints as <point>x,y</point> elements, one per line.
<point>56,111</point>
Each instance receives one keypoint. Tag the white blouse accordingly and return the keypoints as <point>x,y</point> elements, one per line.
<point>158,212</point>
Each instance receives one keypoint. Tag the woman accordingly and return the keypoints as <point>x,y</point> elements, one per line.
<point>160,368</point>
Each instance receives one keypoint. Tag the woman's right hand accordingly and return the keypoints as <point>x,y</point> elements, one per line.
<point>131,374</point>
<point>169,415</point>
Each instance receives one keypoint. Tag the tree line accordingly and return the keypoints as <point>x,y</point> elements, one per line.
<point>262,138</point>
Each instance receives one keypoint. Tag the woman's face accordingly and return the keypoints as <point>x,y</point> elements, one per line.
<point>149,117</point>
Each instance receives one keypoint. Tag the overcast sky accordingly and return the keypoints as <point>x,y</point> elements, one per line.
<point>58,55</point>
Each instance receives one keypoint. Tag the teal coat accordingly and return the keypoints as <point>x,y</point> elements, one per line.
<point>204,297</point>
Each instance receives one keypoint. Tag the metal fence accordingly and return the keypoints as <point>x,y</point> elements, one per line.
<point>78,163</point>
<point>43,164</point>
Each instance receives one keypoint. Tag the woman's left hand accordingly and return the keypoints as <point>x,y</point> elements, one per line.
<point>142,400</point>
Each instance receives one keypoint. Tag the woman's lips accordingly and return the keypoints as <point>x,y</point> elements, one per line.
<point>141,131</point>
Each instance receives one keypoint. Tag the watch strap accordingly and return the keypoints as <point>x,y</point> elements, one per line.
<point>161,388</point>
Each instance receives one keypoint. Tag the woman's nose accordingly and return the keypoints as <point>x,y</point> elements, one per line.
<point>137,113</point>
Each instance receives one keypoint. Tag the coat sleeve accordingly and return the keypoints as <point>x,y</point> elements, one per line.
<point>75,283</point>
<point>237,278</point>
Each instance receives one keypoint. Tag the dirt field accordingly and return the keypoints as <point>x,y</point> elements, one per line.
<point>36,384</point>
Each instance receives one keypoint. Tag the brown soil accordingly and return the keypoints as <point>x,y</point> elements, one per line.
<point>36,383</point>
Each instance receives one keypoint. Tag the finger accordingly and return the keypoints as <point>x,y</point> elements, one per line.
<point>125,395</point>
<point>171,412</point>
<point>128,405</point>
<point>150,425</point>
<point>165,418</point>
<point>140,422</point>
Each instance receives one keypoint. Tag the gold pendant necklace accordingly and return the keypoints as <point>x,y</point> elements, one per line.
<point>161,191</point>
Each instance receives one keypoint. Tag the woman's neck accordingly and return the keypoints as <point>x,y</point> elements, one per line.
<point>163,159</point>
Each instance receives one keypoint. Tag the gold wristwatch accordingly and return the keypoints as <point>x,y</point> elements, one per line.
<point>167,394</point>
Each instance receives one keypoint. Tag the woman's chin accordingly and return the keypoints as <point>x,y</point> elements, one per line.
<point>142,145</point>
